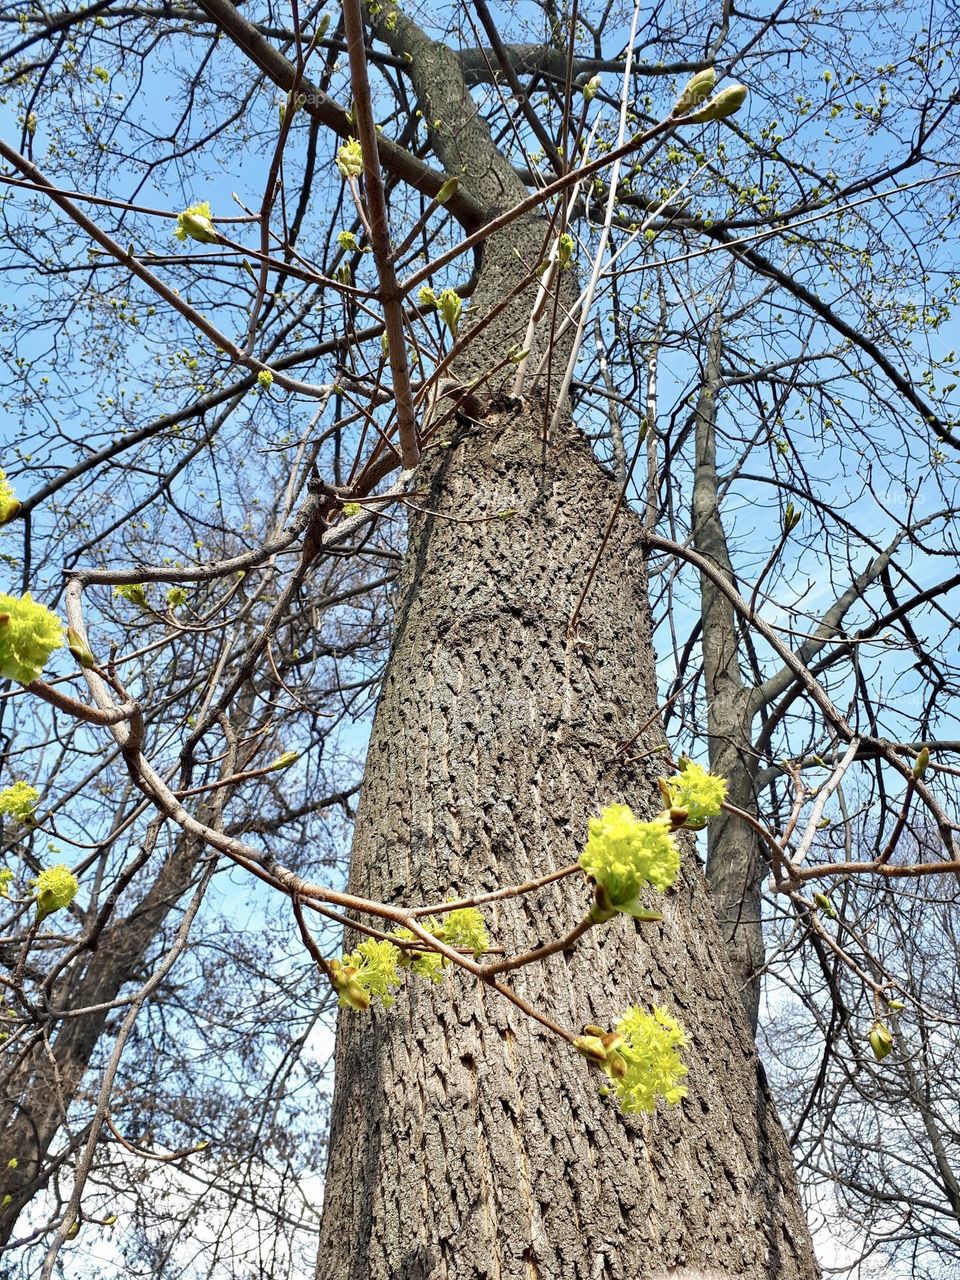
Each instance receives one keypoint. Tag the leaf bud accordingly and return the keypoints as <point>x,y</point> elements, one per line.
<point>79,650</point>
<point>697,89</point>
<point>726,103</point>
<point>881,1041</point>
<point>448,190</point>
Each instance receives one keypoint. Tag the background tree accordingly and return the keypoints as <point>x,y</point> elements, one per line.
<point>741,307</point>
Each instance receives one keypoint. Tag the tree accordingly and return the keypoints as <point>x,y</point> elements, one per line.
<point>520,695</point>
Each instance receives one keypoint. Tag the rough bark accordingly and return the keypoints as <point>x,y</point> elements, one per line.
<point>466,1142</point>
<point>734,864</point>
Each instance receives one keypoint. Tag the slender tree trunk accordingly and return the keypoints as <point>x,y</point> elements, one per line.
<point>41,1089</point>
<point>734,864</point>
<point>466,1141</point>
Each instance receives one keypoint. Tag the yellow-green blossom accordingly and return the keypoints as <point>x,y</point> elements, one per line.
<point>29,633</point>
<point>352,508</point>
<point>133,592</point>
<point>56,888</point>
<point>623,855</point>
<point>350,159</point>
<point>19,801</point>
<point>369,971</point>
<point>348,241</point>
<point>176,596</point>
<point>9,503</point>
<point>697,791</point>
<point>265,378</point>
<point>649,1065</point>
<point>424,964</point>
<point>196,223</point>
<point>6,880</point>
<point>464,927</point>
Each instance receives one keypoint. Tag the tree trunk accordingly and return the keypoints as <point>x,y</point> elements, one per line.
<point>44,1085</point>
<point>466,1142</point>
<point>734,863</point>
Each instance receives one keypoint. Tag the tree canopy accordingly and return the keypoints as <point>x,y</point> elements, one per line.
<point>268,274</point>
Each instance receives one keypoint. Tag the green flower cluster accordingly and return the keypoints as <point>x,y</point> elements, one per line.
<point>463,927</point>
<point>19,801</point>
<point>700,793</point>
<point>423,964</point>
<point>9,503</point>
<point>350,159</point>
<point>133,593</point>
<point>369,971</point>
<point>29,633</point>
<point>650,1048</point>
<point>623,855</point>
<point>56,888</point>
<point>641,1058</point>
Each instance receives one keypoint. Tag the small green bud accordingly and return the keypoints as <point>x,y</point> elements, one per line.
<point>697,89</point>
<point>881,1041</point>
<point>825,905</point>
<point>592,87</point>
<point>920,766</point>
<point>451,309</point>
<point>352,508</point>
<point>79,651</point>
<point>196,223</point>
<point>726,103</point>
<point>283,762</point>
<point>448,190</point>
